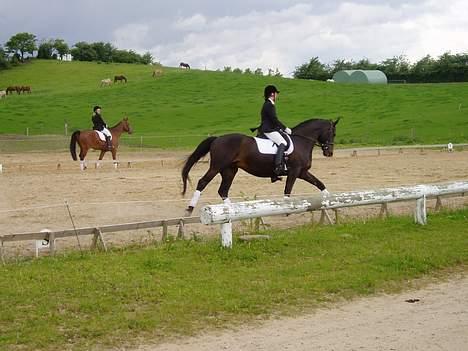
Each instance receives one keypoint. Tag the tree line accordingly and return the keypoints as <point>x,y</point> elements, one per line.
<point>22,46</point>
<point>446,68</point>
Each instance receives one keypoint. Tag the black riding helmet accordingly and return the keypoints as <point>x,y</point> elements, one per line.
<point>269,89</point>
<point>95,108</point>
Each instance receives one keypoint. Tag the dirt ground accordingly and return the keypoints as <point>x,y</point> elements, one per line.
<point>434,318</point>
<point>48,190</point>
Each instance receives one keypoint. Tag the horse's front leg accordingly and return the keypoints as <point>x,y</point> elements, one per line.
<point>114,157</point>
<point>310,178</point>
<point>290,180</point>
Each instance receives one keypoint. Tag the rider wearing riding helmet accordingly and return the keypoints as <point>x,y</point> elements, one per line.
<point>271,126</point>
<point>99,124</point>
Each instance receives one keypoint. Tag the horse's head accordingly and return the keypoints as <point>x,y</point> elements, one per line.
<point>126,126</point>
<point>326,138</point>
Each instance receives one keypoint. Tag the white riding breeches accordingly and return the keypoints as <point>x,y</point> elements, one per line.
<point>106,132</point>
<point>276,138</point>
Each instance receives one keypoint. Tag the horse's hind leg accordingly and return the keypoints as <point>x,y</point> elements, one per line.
<point>227,175</point>
<point>83,152</point>
<point>202,183</point>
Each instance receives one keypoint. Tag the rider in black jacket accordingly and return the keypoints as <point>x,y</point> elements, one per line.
<point>99,124</point>
<point>271,126</point>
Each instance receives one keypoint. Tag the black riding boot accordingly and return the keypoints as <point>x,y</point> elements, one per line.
<point>279,164</point>
<point>108,143</point>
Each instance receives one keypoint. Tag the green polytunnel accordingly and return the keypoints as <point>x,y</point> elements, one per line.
<point>360,76</point>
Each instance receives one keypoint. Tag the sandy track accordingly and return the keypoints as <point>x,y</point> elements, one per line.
<point>438,321</point>
<point>33,191</point>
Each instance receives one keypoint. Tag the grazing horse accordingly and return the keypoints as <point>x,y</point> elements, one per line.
<point>106,82</point>
<point>230,152</point>
<point>13,88</point>
<point>89,139</point>
<point>184,65</point>
<point>26,89</point>
<point>120,79</point>
<point>157,72</point>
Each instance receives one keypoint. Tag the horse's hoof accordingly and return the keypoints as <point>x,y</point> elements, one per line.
<point>188,211</point>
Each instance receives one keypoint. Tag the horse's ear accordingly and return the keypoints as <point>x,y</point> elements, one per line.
<point>337,120</point>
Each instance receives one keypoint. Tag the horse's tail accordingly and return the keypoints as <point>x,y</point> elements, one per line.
<point>199,152</point>
<point>74,139</point>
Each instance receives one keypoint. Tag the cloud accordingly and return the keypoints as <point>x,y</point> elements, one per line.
<point>289,37</point>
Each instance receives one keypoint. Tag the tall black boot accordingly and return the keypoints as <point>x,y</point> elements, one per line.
<point>279,164</point>
<point>108,143</point>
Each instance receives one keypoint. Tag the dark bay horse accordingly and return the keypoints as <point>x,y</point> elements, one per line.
<point>89,139</point>
<point>230,152</point>
<point>184,65</point>
<point>120,78</point>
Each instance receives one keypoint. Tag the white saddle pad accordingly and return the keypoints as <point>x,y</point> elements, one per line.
<point>266,146</point>
<point>101,135</point>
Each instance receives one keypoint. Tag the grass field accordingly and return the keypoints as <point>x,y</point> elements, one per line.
<point>199,103</point>
<point>181,287</point>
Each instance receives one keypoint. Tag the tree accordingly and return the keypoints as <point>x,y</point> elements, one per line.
<point>61,47</point>
<point>46,49</point>
<point>83,52</point>
<point>3,61</point>
<point>103,51</point>
<point>258,72</point>
<point>22,43</point>
<point>147,58</point>
<point>312,70</point>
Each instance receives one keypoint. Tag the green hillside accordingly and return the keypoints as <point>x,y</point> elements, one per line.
<point>196,102</point>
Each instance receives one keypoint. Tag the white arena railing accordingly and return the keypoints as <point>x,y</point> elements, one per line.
<point>225,214</point>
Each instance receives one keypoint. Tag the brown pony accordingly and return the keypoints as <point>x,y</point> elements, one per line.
<point>120,79</point>
<point>13,88</point>
<point>89,139</point>
<point>26,89</point>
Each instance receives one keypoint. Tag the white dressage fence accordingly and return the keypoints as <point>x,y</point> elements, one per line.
<point>225,214</point>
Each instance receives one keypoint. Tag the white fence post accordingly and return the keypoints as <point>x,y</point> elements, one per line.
<point>420,214</point>
<point>226,235</point>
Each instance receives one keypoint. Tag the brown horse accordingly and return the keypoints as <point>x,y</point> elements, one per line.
<point>13,88</point>
<point>120,79</point>
<point>89,139</point>
<point>230,152</point>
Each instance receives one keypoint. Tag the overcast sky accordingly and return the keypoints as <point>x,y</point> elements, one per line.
<point>252,34</point>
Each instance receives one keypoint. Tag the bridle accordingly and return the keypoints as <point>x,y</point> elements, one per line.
<point>326,145</point>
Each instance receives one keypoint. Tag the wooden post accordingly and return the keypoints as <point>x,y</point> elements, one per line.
<point>2,252</point>
<point>336,215</point>
<point>438,205</point>
<point>52,243</point>
<point>383,210</point>
<point>164,234</point>
<point>324,215</point>
<point>420,215</point>
<point>98,237</point>
<point>180,231</point>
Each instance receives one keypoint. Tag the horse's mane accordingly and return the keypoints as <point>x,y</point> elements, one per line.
<point>307,122</point>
